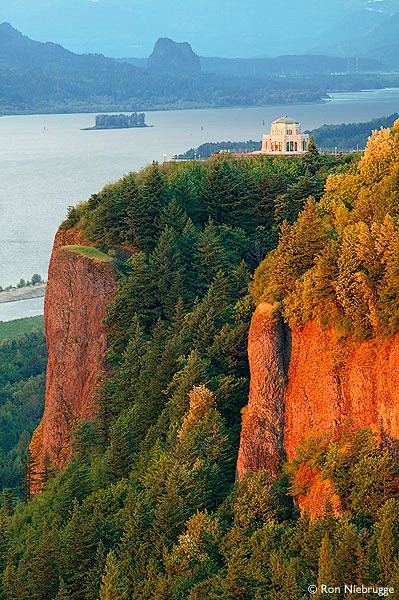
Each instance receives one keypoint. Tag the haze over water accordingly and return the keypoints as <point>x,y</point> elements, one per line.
<point>47,163</point>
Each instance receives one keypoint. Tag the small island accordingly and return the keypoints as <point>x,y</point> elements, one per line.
<point>119,121</point>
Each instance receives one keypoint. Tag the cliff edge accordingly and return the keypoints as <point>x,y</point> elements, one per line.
<point>81,284</point>
<point>328,382</point>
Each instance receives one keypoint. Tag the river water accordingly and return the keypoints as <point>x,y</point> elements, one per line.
<point>48,163</point>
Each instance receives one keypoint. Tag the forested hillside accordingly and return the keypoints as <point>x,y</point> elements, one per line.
<point>40,78</point>
<point>148,506</point>
<point>22,385</point>
<point>349,136</point>
<point>46,78</point>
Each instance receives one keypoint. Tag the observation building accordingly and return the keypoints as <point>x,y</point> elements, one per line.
<point>285,137</point>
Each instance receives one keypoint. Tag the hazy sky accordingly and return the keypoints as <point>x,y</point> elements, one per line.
<point>213,27</point>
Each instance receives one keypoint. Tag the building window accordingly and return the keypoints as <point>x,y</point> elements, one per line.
<point>288,147</point>
<point>296,146</point>
<point>289,131</point>
<point>304,145</point>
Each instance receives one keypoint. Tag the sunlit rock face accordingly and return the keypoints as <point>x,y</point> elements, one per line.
<point>311,382</point>
<point>79,289</point>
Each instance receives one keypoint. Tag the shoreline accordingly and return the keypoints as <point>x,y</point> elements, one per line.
<point>25,293</point>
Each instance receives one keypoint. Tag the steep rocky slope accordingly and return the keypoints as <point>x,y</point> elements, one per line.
<point>79,289</point>
<point>328,382</point>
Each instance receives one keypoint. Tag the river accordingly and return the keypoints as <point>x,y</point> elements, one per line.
<point>48,163</point>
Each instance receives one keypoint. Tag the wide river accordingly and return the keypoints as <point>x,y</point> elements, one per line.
<point>48,163</point>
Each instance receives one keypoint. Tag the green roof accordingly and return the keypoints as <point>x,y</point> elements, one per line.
<point>286,120</point>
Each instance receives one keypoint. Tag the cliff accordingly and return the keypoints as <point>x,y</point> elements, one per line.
<point>81,284</point>
<point>310,383</point>
<point>262,432</point>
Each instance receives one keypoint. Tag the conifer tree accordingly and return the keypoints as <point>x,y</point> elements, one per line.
<point>78,551</point>
<point>111,585</point>
<point>167,272</point>
<point>311,159</point>
<point>326,565</point>
<point>62,593</point>
<point>152,198</point>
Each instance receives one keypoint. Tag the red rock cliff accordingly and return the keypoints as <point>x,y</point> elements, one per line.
<point>78,291</point>
<point>328,381</point>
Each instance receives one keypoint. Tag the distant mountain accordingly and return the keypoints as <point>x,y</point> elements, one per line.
<point>38,77</point>
<point>383,42</point>
<point>341,37</point>
<point>171,57</point>
<point>229,28</point>
<point>365,34</point>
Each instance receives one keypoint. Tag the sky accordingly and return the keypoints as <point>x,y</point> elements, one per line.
<point>213,27</point>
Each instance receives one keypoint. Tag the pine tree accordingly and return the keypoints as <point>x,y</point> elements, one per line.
<point>211,255</point>
<point>62,593</point>
<point>326,566</point>
<point>93,577</point>
<point>387,536</point>
<point>347,554</point>
<point>227,193</point>
<point>112,587</point>
<point>152,198</point>
<point>311,159</point>
<point>78,551</point>
<point>173,217</point>
<point>167,272</point>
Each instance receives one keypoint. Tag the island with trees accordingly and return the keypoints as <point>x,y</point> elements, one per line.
<point>121,121</point>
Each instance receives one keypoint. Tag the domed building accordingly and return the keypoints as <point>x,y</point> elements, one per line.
<point>285,137</point>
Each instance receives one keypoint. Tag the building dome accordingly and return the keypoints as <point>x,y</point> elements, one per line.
<point>287,120</point>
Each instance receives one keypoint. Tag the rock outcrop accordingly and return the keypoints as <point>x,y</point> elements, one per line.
<point>262,432</point>
<point>173,57</point>
<point>310,383</point>
<point>80,287</point>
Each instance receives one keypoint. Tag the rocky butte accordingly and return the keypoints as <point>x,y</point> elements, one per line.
<point>174,57</point>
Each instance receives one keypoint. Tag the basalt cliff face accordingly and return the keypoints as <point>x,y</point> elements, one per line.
<point>78,292</point>
<point>311,382</point>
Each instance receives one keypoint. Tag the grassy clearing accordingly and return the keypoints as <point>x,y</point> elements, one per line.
<point>89,251</point>
<point>11,330</point>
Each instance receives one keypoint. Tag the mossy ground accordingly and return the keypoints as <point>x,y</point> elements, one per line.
<point>90,252</point>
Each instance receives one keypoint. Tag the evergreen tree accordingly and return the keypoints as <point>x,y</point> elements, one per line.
<point>143,214</point>
<point>62,593</point>
<point>327,574</point>
<point>311,159</point>
<point>111,587</point>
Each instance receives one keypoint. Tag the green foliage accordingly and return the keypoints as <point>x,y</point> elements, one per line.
<point>349,136</point>
<point>11,330</point>
<point>207,149</point>
<point>148,507</point>
<point>338,262</point>
<point>22,384</point>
